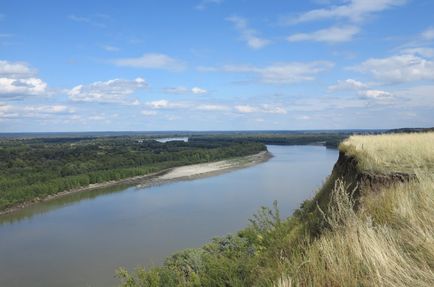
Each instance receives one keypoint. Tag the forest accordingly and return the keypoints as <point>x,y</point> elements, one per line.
<point>34,168</point>
<point>328,139</point>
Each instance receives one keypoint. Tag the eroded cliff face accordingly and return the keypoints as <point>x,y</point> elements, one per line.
<point>347,169</point>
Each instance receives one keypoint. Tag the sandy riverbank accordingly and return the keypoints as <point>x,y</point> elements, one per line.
<point>161,177</point>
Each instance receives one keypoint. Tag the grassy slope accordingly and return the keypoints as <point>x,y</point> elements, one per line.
<point>388,240</point>
<point>342,237</point>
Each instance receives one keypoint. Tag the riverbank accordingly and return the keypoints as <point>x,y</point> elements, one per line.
<point>377,201</point>
<point>167,175</point>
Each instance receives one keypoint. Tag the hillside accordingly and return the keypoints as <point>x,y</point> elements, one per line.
<point>369,225</point>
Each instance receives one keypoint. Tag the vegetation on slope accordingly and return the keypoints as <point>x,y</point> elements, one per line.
<point>35,168</point>
<point>342,237</point>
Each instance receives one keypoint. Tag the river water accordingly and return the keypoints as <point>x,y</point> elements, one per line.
<point>80,240</point>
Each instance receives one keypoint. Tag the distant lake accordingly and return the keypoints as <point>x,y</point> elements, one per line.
<point>80,240</point>
<point>165,140</point>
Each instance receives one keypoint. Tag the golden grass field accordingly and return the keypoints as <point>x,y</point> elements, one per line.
<point>389,239</point>
<point>391,152</point>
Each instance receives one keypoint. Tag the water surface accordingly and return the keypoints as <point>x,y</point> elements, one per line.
<point>79,240</point>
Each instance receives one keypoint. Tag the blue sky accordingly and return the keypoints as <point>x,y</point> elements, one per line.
<point>215,65</point>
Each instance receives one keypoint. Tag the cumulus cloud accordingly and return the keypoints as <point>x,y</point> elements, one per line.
<point>348,84</point>
<point>111,91</point>
<point>399,68</point>
<point>363,90</point>
<point>272,109</point>
<point>18,80</point>
<point>160,104</point>
<point>185,90</point>
<point>165,104</point>
<point>376,95</point>
<point>250,36</point>
<point>329,35</point>
<point>198,91</point>
<point>278,73</point>
<point>352,10</point>
<point>245,109</point>
<point>212,107</point>
<point>151,61</point>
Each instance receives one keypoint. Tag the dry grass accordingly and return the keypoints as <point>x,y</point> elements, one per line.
<point>391,152</point>
<point>372,247</point>
<point>389,239</point>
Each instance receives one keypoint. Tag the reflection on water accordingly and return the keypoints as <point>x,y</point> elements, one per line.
<point>165,140</point>
<point>47,206</point>
<point>80,239</point>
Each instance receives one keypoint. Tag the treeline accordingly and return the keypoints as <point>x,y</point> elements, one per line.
<point>329,139</point>
<point>36,168</point>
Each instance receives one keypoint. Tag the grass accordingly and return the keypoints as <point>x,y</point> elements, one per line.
<point>391,153</point>
<point>388,239</point>
<point>342,237</point>
<point>388,242</point>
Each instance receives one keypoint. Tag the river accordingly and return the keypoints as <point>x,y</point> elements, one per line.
<point>80,239</point>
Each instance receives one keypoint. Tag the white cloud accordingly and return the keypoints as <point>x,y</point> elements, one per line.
<point>149,113</point>
<point>266,108</point>
<point>34,111</point>
<point>111,91</point>
<point>212,107</point>
<point>18,79</point>
<point>151,61</point>
<point>263,108</point>
<point>29,86</point>
<point>399,68</point>
<point>5,110</point>
<point>250,36</point>
<point>329,35</point>
<point>428,34</point>
<point>348,84</point>
<point>160,104</point>
<point>110,48</point>
<point>185,90</point>
<point>203,4</point>
<point>278,73</point>
<point>376,95</point>
<point>15,70</point>
<point>198,91</point>
<point>48,109</point>
<point>245,109</point>
<point>421,51</point>
<point>352,10</point>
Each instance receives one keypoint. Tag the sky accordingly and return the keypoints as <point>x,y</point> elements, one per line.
<point>215,65</point>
